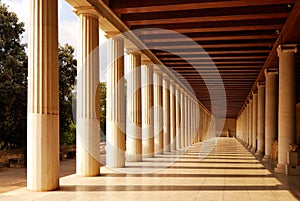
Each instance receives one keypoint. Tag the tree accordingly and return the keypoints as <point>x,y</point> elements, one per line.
<point>67,78</point>
<point>13,81</point>
<point>102,86</point>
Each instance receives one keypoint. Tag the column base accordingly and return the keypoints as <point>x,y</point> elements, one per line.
<point>259,154</point>
<point>280,168</point>
<point>133,157</point>
<point>148,155</point>
<point>267,158</point>
<point>253,149</point>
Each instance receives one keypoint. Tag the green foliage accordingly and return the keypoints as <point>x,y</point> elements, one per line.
<point>13,81</point>
<point>67,77</point>
<point>102,86</point>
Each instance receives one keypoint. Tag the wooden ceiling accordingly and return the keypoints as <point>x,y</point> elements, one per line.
<point>240,37</point>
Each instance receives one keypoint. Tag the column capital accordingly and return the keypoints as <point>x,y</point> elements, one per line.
<point>111,34</point>
<point>87,10</point>
<point>254,93</point>
<point>271,71</point>
<point>286,48</point>
<point>260,84</point>
<point>146,62</point>
<point>133,51</point>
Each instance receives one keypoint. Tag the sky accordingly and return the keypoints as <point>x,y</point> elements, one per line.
<point>67,26</point>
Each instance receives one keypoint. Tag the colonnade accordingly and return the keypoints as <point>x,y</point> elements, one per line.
<point>270,114</point>
<point>153,115</point>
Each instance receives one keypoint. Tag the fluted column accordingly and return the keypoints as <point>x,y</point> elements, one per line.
<point>260,119</point>
<point>43,98</point>
<point>172,116</point>
<point>189,121</point>
<point>158,113</point>
<point>115,112</point>
<point>250,116</point>
<point>148,115</point>
<point>178,117</point>
<point>270,111</point>
<point>254,122</point>
<point>186,120</point>
<point>182,118</point>
<point>166,108</point>
<point>87,117</point>
<point>287,103</point>
<point>134,108</point>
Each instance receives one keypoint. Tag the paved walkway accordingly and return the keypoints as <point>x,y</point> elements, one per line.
<point>220,169</point>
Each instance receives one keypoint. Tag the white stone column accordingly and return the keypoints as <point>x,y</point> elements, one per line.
<point>186,142</point>
<point>88,95</point>
<point>43,98</point>
<point>166,108</point>
<point>254,121</point>
<point>189,121</point>
<point>287,103</point>
<point>134,108</point>
<point>115,109</point>
<point>182,118</point>
<point>172,116</point>
<point>178,116</point>
<point>260,119</point>
<point>158,113</point>
<point>148,113</point>
<point>250,123</point>
<point>271,111</point>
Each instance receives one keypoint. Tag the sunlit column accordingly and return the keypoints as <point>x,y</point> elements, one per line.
<point>166,108</point>
<point>158,113</point>
<point>172,116</point>
<point>260,119</point>
<point>287,103</point>
<point>134,108</point>
<point>88,97</point>
<point>186,120</point>
<point>182,118</point>
<point>43,97</point>
<point>254,120</point>
<point>271,110</point>
<point>115,112</point>
<point>178,116</point>
<point>250,116</point>
<point>148,114</point>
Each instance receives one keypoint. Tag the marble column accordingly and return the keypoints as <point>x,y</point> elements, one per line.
<point>172,116</point>
<point>270,111</point>
<point>43,98</point>
<point>148,113</point>
<point>158,113</point>
<point>287,103</point>
<point>88,97</point>
<point>166,108</point>
<point>115,109</point>
<point>250,116</point>
<point>134,108</point>
<point>189,119</point>
<point>186,120</point>
<point>178,117</point>
<point>260,119</point>
<point>254,122</point>
<point>182,118</point>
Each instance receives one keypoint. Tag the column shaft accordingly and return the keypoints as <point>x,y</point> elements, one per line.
<point>43,98</point>
<point>87,117</point>
<point>166,108</point>
<point>186,120</point>
<point>261,119</point>
<point>115,111</point>
<point>148,115</point>
<point>172,117</point>
<point>134,109</point>
<point>182,118</point>
<point>158,114</point>
<point>254,121</point>
<point>271,112</point>
<point>178,117</point>
<point>287,103</point>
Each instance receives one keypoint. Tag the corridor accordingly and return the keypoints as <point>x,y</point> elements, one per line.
<point>219,169</point>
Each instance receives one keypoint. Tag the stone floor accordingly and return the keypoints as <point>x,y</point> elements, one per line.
<point>220,169</point>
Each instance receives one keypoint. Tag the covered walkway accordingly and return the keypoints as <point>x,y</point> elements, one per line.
<point>228,172</point>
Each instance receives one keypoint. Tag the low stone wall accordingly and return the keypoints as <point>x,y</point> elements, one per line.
<point>16,157</point>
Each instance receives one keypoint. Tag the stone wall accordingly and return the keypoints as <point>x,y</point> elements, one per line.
<point>229,125</point>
